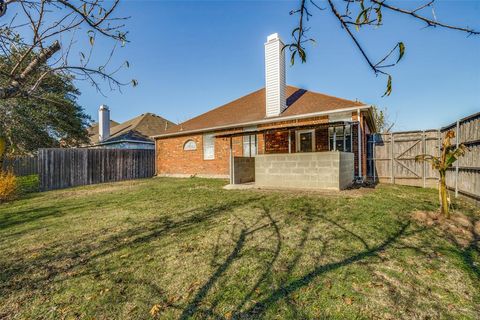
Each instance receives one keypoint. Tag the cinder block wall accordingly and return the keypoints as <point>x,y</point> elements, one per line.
<point>347,169</point>
<point>243,169</point>
<point>315,170</point>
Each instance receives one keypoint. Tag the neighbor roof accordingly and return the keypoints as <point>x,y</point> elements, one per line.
<point>251,108</point>
<point>138,128</point>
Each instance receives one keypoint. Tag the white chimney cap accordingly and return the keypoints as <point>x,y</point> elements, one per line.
<point>273,36</point>
<point>103,107</point>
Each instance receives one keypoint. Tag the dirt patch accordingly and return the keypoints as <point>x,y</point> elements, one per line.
<point>463,229</point>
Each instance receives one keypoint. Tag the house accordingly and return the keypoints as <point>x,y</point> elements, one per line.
<point>132,134</point>
<point>278,136</point>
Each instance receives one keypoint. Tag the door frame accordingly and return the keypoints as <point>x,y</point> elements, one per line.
<point>297,139</point>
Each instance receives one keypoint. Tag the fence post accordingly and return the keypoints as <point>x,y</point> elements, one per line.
<point>374,161</point>
<point>392,178</point>
<point>424,151</point>
<point>456,163</point>
<point>439,149</point>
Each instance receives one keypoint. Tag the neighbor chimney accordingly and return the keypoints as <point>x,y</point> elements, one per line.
<point>103,123</point>
<point>274,76</point>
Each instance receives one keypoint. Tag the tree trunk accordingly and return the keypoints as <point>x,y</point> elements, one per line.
<point>443,195</point>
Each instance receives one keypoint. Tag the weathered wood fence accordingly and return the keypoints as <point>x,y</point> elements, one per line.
<point>63,168</point>
<point>391,157</point>
<point>22,166</point>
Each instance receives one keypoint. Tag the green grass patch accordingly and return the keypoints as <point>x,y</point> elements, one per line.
<point>196,251</point>
<point>28,184</point>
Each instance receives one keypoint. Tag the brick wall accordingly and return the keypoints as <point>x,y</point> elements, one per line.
<point>173,160</point>
<point>321,139</point>
<point>276,142</point>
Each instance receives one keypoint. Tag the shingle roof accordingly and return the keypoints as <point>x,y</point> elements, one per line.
<point>145,125</point>
<point>93,130</point>
<point>251,108</point>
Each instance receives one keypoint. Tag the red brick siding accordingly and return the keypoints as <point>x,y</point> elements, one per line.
<point>321,139</point>
<point>172,159</point>
<point>276,142</point>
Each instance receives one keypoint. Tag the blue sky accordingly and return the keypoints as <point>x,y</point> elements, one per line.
<point>190,57</point>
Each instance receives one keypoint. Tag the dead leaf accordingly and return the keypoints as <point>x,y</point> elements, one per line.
<point>155,310</point>
<point>347,300</point>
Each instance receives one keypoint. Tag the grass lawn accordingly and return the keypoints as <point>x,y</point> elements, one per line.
<point>185,248</point>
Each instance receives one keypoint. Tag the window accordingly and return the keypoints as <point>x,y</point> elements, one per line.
<point>208,146</point>
<point>340,138</point>
<point>305,140</point>
<point>249,145</point>
<point>190,145</point>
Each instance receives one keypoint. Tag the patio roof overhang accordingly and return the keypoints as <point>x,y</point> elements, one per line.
<point>293,126</point>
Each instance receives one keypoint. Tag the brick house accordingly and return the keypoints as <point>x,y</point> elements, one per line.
<point>273,136</point>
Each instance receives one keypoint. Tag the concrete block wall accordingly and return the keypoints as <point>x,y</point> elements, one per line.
<point>243,169</point>
<point>347,169</point>
<point>312,170</point>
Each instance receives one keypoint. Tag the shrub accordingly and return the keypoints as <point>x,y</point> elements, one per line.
<point>8,186</point>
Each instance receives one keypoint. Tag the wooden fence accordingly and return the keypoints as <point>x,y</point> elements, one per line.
<point>22,166</point>
<point>391,157</point>
<point>464,176</point>
<point>63,168</point>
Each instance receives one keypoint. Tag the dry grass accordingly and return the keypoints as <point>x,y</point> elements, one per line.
<point>185,248</point>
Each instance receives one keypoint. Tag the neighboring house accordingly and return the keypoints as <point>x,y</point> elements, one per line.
<point>132,134</point>
<point>278,136</point>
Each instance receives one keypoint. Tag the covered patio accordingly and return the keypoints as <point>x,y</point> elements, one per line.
<point>315,156</point>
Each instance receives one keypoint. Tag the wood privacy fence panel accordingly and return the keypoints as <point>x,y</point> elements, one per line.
<point>22,166</point>
<point>63,168</point>
<point>391,157</point>
<point>464,176</point>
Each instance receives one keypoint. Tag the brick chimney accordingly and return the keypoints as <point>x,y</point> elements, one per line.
<point>103,123</point>
<point>275,82</point>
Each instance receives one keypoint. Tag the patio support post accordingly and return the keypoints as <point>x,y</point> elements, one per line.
<point>289,141</point>
<point>334,139</point>
<point>250,145</point>
<point>360,162</point>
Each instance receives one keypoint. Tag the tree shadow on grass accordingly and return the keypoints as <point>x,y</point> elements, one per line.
<point>286,287</point>
<point>245,232</point>
<point>23,274</point>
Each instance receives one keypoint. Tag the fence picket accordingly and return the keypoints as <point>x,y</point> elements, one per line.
<point>63,168</point>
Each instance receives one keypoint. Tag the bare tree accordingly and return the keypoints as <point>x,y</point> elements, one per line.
<point>39,37</point>
<point>365,13</point>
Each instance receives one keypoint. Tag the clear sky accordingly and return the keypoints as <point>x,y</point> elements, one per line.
<point>190,57</point>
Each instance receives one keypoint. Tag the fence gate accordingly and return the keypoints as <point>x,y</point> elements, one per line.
<point>391,157</point>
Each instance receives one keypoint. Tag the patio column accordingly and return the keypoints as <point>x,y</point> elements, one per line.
<point>289,141</point>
